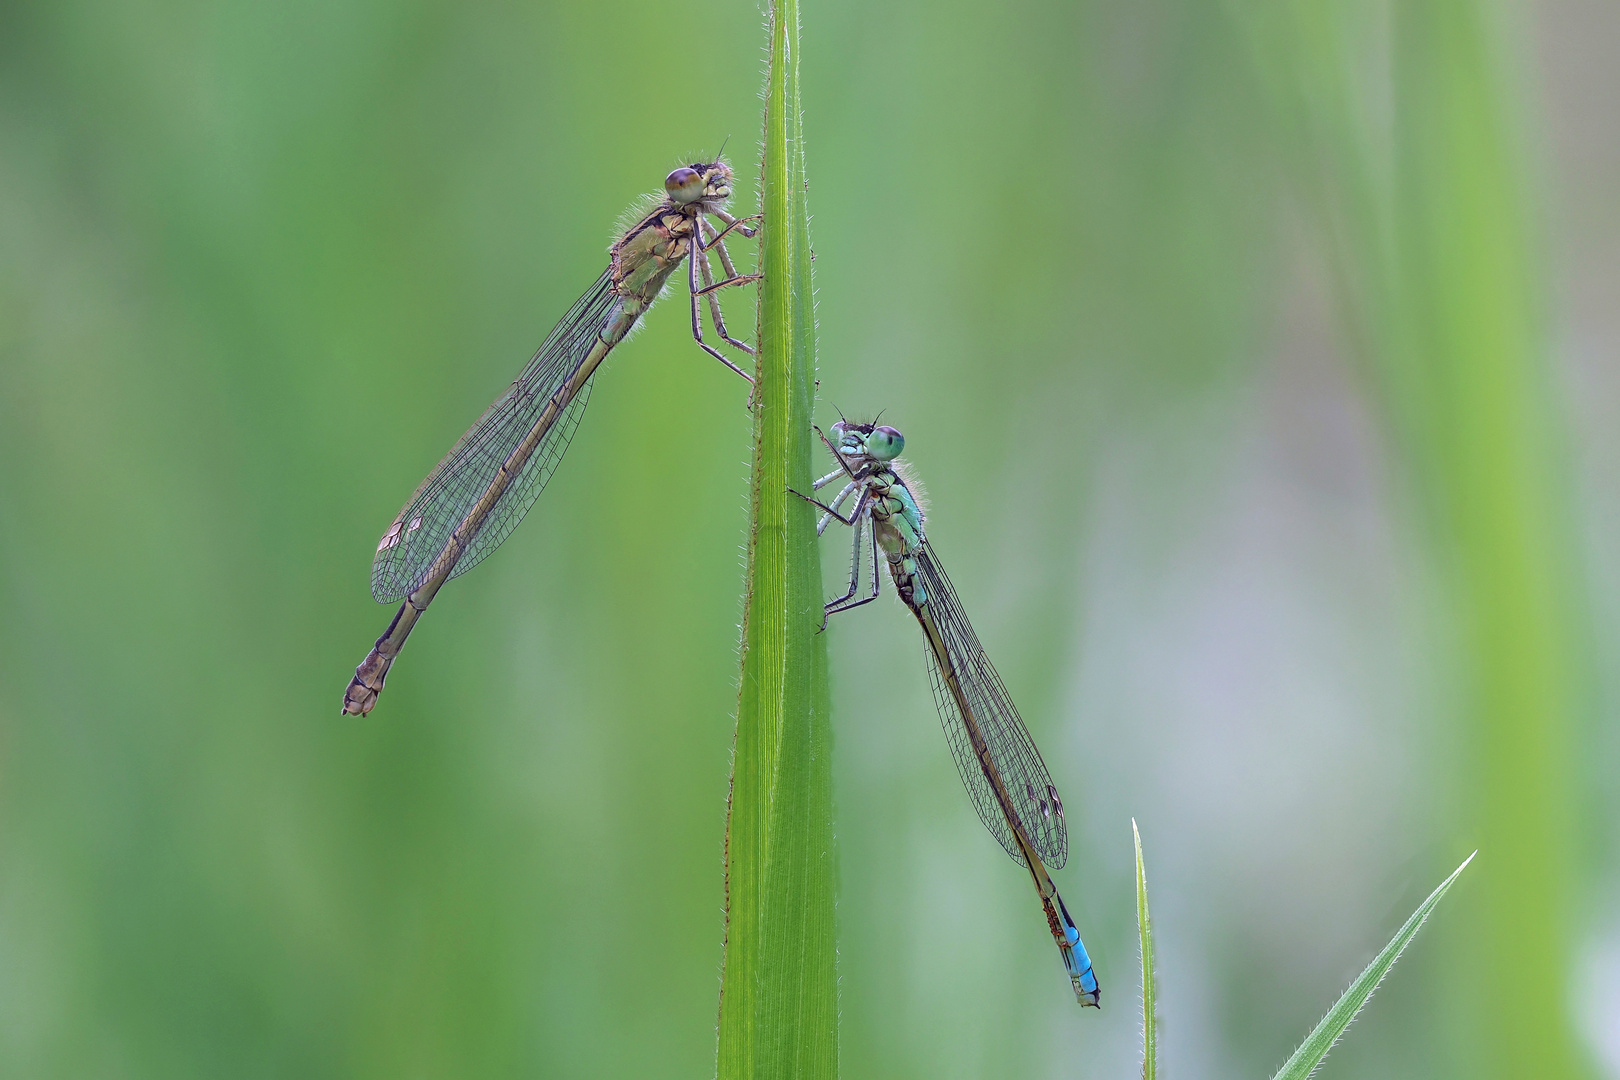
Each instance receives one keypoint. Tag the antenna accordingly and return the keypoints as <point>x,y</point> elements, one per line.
<point>722,149</point>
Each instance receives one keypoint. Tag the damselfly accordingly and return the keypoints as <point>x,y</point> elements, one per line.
<point>998,761</point>
<point>480,491</point>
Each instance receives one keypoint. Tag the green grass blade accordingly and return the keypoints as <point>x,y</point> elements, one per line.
<point>1430,191</point>
<point>1475,385</point>
<point>1150,989</point>
<point>779,992</point>
<point>1327,1032</point>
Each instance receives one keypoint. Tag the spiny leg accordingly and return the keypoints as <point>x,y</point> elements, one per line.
<point>710,288</point>
<point>825,480</point>
<point>697,314</point>
<point>714,305</point>
<point>718,244</point>
<point>821,526</point>
<point>724,283</point>
<point>708,293</point>
<point>859,506</point>
<point>717,241</point>
<point>740,224</point>
<point>877,580</point>
<point>854,573</point>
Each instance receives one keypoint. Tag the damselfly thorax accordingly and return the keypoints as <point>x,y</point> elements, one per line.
<point>895,532</point>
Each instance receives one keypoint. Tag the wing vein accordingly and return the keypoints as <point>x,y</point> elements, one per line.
<point>1012,751</point>
<point>419,534</point>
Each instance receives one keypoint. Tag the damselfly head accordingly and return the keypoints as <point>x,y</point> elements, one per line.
<point>699,181</point>
<point>880,442</point>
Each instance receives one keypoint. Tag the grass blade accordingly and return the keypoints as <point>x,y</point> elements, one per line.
<point>1321,1039</point>
<point>779,991</point>
<point>1427,177</point>
<point>1150,989</point>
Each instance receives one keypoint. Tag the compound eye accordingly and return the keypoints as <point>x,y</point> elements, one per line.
<point>684,184</point>
<point>885,443</point>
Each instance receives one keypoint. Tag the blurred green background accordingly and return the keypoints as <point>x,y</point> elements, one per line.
<point>1259,359</point>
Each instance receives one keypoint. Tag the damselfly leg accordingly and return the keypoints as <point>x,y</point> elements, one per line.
<point>821,526</point>
<point>711,287</point>
<point>844,603</point>
<point>740,224</point>
<point>817,502</point>
<point>692,272</point>
<point>829,478</point>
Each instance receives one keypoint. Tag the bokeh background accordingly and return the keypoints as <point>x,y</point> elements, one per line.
<point>1258,356</point>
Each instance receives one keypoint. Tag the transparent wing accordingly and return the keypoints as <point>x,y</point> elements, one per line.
<point>419,534</point>
<point>1034,798</point>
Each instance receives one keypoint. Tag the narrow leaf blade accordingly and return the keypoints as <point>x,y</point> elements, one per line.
<point>779,987</point>
<point>1321,1039</point>
<point>1150,989</point>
